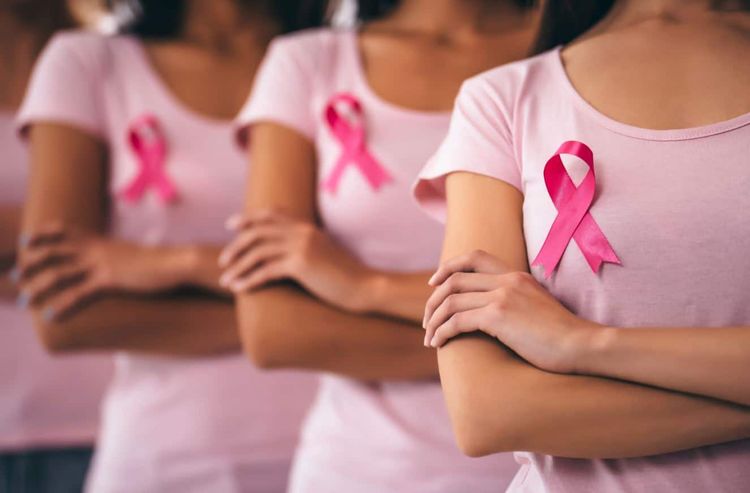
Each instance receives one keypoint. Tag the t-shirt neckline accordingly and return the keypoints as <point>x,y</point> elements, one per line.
<point>640,132</point>
<point>351,40</point>
<point>156,80</point>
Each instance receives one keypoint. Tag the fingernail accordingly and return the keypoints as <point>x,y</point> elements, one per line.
<point>233,221</point>
<point>431,282</point>
<point>14,275</point>
<point>49,314</point>
<point>23,300</point>
<point>433,342</point>
<point>23,240</point>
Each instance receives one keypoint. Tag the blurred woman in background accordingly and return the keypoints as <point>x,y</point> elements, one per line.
<point>49,407</point>
<point>133,173</point>
<point>615,304</point>
<point>340,123</point>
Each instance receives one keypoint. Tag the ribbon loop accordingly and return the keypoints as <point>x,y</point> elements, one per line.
<point>351,135</point>
<point>150,147</point>
<point>573,217</point>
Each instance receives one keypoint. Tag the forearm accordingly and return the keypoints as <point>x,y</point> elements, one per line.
<point>500,403</point>
<point>202,268</point>
<point>706,361</point>
<point>8,291</point>
<point>282,327</point>
<point>400,295</point>
<point>175,325</point>
<point>10,218</point>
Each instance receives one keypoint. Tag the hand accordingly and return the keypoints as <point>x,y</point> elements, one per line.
<point>477,292</point>
<point>272,246</point>
<point>61,269</point>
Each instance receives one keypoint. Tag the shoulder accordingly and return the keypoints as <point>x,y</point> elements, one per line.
<point>311,47</point>
<point>84,50</point>
<point>513,84</point>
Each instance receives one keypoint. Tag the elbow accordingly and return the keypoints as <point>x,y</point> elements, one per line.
<point>57,339</point>
<point>259,331</point>
<point>479,434</point>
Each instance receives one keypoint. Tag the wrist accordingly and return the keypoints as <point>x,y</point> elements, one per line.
<point>176,264</point>
<point>369,291</point>
<point>591,345</point>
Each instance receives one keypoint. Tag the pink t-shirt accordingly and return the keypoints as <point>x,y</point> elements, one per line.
<point>170,424</point>
<point>368,437</point>
<point>45,401</point>
<point>668,201</point>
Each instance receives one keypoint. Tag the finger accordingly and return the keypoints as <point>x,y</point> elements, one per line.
<point>35,258</point>
<point>459,282</point>
<point>460,323</point>
<point>269,272</point>
<point>248,239</point>
<point>251,260</point>
<point>238,222</point>
<point>453,304</point>
<point>48,282</point>
<point>43,234</point>
<point>70,299</point>
<point>476,261</point>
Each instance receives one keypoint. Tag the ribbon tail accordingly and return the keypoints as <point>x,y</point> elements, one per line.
<point>373,171</point>
<point>136,188</point>
<point>165,188</point>
<point>594,245</point>
<point>331,183</point>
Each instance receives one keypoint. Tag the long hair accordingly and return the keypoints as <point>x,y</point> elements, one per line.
<point>368,10</point>
<point>163,19</point>
<point>44,17</point>
<point>564,20</point>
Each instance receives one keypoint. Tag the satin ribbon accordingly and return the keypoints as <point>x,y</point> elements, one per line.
<point>149,145</point>
<point>351,135</point>
<point>573,218</point>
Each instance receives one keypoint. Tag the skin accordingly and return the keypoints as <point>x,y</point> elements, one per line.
<point>282,257</point>
<point>579,389</point>
<point>19,44</point>
<point>89,291</point>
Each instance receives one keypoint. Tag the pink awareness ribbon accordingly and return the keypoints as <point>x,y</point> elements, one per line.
<point>147,141</point>
<point>351,135</point>
<point>573,218</point>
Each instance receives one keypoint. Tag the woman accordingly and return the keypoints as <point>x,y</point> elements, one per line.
<point>49,407</point>
<point>133,169</point>
<point>340,122</point>
<point>611,168</point>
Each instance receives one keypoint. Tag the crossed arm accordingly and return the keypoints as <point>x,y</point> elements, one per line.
<point>499,402</point>
<point>69,189</point>
<point>285,326</point>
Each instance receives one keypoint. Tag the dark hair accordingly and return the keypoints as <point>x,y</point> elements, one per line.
<point>163,19</point>
<point>564,20</point>
<point>368,10</point>
<point>44,17</point>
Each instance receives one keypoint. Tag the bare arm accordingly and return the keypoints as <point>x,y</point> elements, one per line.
<point>10,216</point>
<point>286,327</point>
<point>707,361</point>
<point>68,187</point>
<point>500,403</point>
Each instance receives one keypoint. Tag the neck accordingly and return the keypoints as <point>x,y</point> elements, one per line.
<point>225,26</point>
<point>634,10</point>
<point>457,18</point>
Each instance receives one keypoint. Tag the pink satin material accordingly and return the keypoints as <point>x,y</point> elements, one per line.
<point>147,141</point>
<point>573,218</point>
<point>351,135</point>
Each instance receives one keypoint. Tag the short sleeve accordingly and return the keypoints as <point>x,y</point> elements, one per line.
<point>479,141</point>
<point>66,84</point>
<point>283,88</point>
